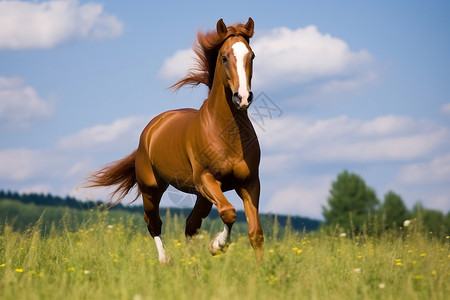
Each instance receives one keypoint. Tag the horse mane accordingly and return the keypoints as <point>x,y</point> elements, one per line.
<point>207,49</point>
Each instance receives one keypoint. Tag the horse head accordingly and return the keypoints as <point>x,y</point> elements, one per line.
<point>235,62</point>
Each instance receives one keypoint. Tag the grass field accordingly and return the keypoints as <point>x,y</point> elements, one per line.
<point>118,260</point>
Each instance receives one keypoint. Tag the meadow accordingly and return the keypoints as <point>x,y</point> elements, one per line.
<point>109,258</point>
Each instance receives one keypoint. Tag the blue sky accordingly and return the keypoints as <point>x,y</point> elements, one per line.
<point>360,86</point>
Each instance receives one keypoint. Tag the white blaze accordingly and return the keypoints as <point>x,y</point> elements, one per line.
<point>240,50</point>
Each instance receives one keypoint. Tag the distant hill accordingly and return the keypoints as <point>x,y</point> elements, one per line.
<point>49,201</point>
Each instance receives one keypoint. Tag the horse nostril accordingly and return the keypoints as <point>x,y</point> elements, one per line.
<point>250,97</point>
<point>237,99</point>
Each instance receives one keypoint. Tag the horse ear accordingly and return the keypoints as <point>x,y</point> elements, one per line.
<point>221,27</point>
<point>249,26</point>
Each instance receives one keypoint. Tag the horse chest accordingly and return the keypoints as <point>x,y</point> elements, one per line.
<point>223,162</point>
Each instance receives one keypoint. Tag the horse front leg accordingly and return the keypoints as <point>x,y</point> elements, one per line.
<point>249,194</point>
<point>210,188</point>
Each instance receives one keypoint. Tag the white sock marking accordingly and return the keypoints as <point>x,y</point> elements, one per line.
<point>224,237</point>
<point>240,50</point>
<point>160,248</point>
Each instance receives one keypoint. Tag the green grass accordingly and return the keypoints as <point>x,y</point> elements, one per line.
<point>107,259</point>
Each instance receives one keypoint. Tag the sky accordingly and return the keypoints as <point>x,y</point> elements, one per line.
<point>339,85</point>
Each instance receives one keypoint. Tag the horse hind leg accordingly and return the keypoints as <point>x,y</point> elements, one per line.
<point>151,198</point>
<point>201,210</point>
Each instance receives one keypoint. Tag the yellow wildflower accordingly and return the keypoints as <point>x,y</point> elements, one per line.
<point>19,270</point>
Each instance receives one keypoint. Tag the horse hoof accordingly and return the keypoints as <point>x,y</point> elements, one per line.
<point>164,261</point>
<point>216,248</point>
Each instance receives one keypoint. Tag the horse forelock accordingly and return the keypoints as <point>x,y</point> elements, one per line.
<point>206,49</point>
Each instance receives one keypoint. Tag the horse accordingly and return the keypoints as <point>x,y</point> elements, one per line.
<point>204,152</point>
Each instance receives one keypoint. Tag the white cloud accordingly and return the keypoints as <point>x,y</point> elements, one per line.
<point>275,162</point>
<point>445,109</point>
<point>387,138</point>
<point>25,25</point>
<point>21,164</point>
<point>122,132</point>
<point>176,67</point>
<point>20,104</point>
<point>431,172</point>
<point>287,57</point>
<point>38,189</point>
<point>304,198</point>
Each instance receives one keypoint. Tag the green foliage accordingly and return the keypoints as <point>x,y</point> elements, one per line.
<point>393,211</point>
<point>21,216</point>
<point>353,207</point>
<point>432,220</point>
<point>350,202</point>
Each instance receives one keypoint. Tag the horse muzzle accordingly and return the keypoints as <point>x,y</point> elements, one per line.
<point>242,103</point>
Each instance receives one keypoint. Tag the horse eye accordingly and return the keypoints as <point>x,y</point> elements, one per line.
<point>253,56</point>
<point>224,59</point>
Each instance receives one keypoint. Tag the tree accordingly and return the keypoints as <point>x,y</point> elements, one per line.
<point>447,223</point>
<point>393,210</point>
<point>432,220</point>
<point>350,202</point>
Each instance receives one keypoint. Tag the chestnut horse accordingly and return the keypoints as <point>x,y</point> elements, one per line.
<point>204,152</point>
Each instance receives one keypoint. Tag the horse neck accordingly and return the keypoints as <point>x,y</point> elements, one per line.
<point>221,111</point>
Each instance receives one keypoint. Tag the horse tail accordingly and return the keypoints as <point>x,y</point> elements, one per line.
<point>121,173</point>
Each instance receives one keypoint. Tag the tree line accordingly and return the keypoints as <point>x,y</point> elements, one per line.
<point>22,210</point>
<point>352,205</point>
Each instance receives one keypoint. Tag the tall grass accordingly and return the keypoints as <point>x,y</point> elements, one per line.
<point>116,259</point>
